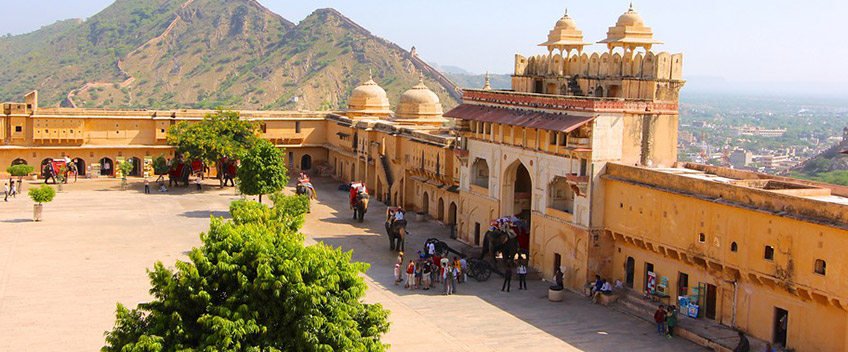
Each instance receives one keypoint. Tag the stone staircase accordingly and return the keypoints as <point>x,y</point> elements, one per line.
<point>702,331</point>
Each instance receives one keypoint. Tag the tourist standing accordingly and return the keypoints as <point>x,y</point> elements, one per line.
<point>6,192</point>
<point>410,274</point>
<point>197,182</point>
<point>659,318</point>
<point>507,277</point>
<point>13,191</point>
<point>522,276</point>
<point>445,280</point>
<point>146,186</point>
<point>397,273</point>
<point>671,320</point>
<point>425,275</point>
<point>454,277</point>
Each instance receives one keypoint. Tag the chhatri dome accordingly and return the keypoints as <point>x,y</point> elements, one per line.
<point>369,99</point>
<point>420,106</point>
<point>565,36</point>
<point>630,33</point>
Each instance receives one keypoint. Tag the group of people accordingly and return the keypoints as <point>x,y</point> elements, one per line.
<point>429,269</point>
<point>521,269</point>
<point>599,287</point>
<point>666,319</point>
<point>506,225</point>
<point>11,191</point>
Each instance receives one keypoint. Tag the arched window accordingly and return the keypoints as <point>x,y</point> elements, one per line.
<point>306,162</point>
<point>561,195</point>
<point>734,247</point>
<point>480,173</point>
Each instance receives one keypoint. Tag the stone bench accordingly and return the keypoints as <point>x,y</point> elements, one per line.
<point>607,299</point>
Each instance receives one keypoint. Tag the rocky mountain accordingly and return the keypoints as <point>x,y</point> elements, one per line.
<point>206,53</point>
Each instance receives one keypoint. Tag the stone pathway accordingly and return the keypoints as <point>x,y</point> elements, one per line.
<point>60,279</point>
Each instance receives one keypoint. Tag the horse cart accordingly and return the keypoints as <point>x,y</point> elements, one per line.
<point>477,268</point>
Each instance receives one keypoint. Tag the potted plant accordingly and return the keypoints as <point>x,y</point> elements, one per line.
<point>60,177</point>
<point>125,167</point>
<point>40,195</point>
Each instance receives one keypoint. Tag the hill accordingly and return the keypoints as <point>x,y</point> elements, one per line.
<point>830,166</point>
<point>475,81</point>
<point>205,53</point>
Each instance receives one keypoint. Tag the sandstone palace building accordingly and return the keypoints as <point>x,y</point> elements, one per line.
<point>583,148</point>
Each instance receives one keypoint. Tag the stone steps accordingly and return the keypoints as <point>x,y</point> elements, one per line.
<point>703,332</point>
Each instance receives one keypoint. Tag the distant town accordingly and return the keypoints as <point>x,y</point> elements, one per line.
<point>771,135</point>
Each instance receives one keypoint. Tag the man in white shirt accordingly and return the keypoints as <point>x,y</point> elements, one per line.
<point>431,249</point>
<point>6,192</point>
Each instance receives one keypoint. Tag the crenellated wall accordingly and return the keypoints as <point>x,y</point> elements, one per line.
<point>646,65</point>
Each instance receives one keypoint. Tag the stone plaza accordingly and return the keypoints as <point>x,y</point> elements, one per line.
<point>61,278</point>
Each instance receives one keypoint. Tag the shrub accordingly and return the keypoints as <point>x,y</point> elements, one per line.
<point>43,194</point>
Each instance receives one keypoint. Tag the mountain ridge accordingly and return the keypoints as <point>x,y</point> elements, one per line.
<point>204,53</point>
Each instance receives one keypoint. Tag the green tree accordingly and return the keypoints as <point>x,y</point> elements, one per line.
<point>262,170</point>
<point>160,165</point>
<point>20,171</point>
<point>218,135</point>
<point>254,286</point>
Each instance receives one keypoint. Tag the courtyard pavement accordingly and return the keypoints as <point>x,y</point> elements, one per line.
<point>60,278</point>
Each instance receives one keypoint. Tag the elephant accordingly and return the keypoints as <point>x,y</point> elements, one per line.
<point>499,242</point>
<point>361,206</point>
<point>397,234</point>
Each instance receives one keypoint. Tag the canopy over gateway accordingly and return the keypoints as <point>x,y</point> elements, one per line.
<point>630,33</point>
<point>524,118</point>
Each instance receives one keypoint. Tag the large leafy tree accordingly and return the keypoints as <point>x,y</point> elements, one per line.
<point>218,135</point>
<point>262,170</point>
<point>254,286</point>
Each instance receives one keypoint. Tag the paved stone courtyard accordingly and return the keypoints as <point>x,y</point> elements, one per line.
<point>60,279</point>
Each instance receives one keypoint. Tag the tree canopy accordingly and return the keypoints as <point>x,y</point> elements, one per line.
<point>20,170</point>
<point>254,286</point>
<point>43,194</point>
<point>160,165</point>
<point>218,135</point>
<point>262,170</point>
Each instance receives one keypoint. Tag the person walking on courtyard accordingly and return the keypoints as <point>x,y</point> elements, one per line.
<point>507,277</point>
<point>197,182</point>
<point>13,191</point>
<point>671,320</point>
<point>522,276</point>
<point>659,318</point>
<point>743,345</point>
<point>397,274</point>
<point>146,186</point>
<point>6,192</point>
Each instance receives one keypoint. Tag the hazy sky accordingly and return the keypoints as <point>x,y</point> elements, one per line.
<point>777,41</point>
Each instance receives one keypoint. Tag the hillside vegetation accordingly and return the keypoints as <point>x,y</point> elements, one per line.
<point>202,54</point>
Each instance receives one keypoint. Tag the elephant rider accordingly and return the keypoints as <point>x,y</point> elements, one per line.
<point>395,215</point>
<point>354,187</point>
<point>506,227</point>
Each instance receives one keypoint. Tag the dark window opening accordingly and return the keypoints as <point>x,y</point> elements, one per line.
<point>19,128</point>
<point>821,267</point>
<point>769,253</point>
<point>297,127</point>
<point>734,247</point>
<point>702,237</point>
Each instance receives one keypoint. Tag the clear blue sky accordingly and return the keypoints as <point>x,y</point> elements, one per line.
<point>751,41</point>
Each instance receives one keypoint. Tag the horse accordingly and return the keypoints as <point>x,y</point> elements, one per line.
<point>499,242</point>
<point>397,233</point>
<point>361,206</point>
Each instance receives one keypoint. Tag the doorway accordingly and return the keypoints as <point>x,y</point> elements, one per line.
<point>781,325</point>
<point>682,284</point>
<point>630,271</point>
<point>649,268</point>
<point>136,170</point>
<point>306,162</point>
<point>425,208</point>
<point>80,166</point>
<point>106,167</point>
<point>441,209</point>
<point>711,302</point>
<point>477,233</point>
<point>557,261</point>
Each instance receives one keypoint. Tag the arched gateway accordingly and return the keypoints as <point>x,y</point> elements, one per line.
<point>517,198</point>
